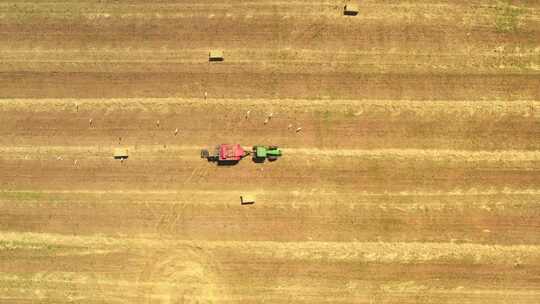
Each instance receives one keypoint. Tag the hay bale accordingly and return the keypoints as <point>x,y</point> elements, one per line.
<point>120,153</point>
<point>247,199</point>
<point>350,9</point>
<point>215,55</point>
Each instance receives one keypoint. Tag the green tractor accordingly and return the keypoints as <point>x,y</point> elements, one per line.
<point>260,153</point>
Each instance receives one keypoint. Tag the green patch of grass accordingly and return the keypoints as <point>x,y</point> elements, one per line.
<point>20,245</point>
<point>507,17</point>
<point>21,195</point>
<point>326,115</point>
<point>31,196</point>
<point>349,113</point>
<point>26,12</point>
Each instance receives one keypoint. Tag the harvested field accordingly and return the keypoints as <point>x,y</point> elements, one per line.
<point>410,134</point>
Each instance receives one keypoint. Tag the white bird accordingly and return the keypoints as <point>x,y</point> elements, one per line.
<point>90,121</point>
<point>157,123</point>
<point>175,131</point>
<point>247,114</point>
<point>298,129</point>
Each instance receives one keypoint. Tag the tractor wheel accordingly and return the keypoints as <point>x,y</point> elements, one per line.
<point>272,147</point>
<point>204,154</point>
<point>272,158</point>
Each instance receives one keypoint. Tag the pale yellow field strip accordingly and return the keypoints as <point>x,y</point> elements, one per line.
<point>315,192</point>
<point>466,59</point>
<point>37,285</point>
<point>425,154</point>
<point>489,200</point>
<point>165,54</point>
<point>375,252</point>
<point>457,109</point>
<point>434,155</point>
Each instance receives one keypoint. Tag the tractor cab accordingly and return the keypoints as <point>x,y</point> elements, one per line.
<point>260,153</point>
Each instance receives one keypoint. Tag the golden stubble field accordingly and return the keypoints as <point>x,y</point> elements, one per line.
<point>414,179</point>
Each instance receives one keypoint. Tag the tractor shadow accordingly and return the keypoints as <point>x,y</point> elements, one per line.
<point>258,160</point>
<point>235,162</point>
<point>227,163</point>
